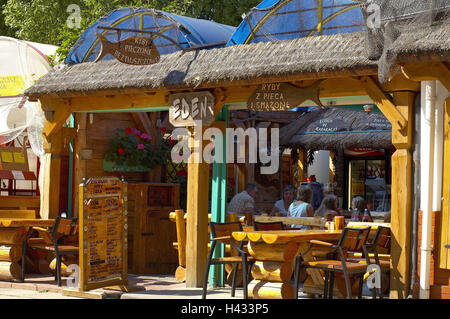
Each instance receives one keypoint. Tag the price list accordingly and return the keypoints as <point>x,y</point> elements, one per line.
<point>104,230</point>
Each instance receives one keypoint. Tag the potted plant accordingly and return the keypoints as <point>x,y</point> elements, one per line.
<point>133,151</point>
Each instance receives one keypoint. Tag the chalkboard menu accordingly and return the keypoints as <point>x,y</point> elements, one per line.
<point>103,233</point>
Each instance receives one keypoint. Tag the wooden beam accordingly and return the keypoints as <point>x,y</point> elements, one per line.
<point>444,253</point>
<point>197,219</point>
<point>107,102</point>
<point>52,176</point>
<point>79,163</point>
<point>384,103</point>
<point>428,71</point>
<point>55,122</point>
<point>401,197</point>
<point>142,122</point>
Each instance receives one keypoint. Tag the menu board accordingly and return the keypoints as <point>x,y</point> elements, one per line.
<point>103,236</point>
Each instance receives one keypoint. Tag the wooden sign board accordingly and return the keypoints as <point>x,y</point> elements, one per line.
<point>14,158</point>
<point>378,124</point>
<point>136,50</point>
<point>328,125</point>
<point>185,108</point>
<point>103,233</point>
<point>282,96</point>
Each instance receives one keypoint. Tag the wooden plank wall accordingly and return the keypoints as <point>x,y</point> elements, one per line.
<point>95,137</point>
<point>439,277</point>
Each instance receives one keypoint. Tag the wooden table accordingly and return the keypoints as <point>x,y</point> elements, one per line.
<point>18,222</point>
<point>13,233</point>
<point>275,253</point>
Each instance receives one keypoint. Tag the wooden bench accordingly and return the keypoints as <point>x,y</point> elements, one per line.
<point>20,203</point>
<point>17,214</point>
<point>11,239</point>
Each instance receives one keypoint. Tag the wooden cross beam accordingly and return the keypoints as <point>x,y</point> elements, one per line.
<point>428,71</point>
<point>384,102</point>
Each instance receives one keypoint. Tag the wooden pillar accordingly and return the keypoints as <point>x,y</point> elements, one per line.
<point>197,217</point>
<point>401,197</point>
<point>80,163</point>
<point>301,166</point>
<point>52,176</point>
<point>332,167</point>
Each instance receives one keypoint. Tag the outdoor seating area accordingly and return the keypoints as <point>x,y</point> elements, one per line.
<point>299,153</point>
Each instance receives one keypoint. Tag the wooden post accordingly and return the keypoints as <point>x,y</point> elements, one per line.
<point>52,176</point>
<point>401,196</point>
<point>80,164</point>
<point>301,166</point>
<point>197,216</point>
<point>180,273</point>
<point>218,203</point>
<point>332,167</point>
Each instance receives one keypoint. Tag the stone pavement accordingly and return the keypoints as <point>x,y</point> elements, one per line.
<point>153,287</point>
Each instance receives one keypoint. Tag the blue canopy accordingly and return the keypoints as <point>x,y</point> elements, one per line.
<point>290,19</point>
<point>178,31</point>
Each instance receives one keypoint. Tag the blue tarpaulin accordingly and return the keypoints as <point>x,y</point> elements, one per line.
<point>184,31</point>
<point>290,19</point>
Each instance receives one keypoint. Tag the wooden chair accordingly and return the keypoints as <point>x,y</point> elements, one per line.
<point>53,241</point>
<point>381,241</point>
<point>351,240</point>
<point>221,232</point>
<point>268,225</point>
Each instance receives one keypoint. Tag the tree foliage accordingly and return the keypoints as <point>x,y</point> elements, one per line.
<point>49,21</point>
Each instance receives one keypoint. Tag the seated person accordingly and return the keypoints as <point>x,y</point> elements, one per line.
<point>329,208</point>
<point>282,206</point>
<point>244,202</point>
<point>359,205</point>
<point>302,206</point>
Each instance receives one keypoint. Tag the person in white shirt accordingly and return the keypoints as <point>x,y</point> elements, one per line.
<point>282,206</point>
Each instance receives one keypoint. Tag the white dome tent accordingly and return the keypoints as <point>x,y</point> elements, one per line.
<point>22,64</point>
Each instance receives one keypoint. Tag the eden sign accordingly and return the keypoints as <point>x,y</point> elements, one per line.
<point>186,108</point>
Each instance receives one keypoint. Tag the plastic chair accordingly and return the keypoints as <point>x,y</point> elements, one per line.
<point>268,225</point>
<point>221,232</point>
<point>53,241</point>
<point>351,240</point>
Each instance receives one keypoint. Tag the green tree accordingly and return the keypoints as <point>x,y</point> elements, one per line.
<point>4,29</point>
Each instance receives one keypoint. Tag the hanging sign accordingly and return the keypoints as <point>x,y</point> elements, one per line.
<point>14,158</point>
<point>11,85</point>
<point>185,108</point>
<point>282,96</point>
<point>103,233</point>
<point>328,125</point>
<point>378,123</point>
<point>136,50</point>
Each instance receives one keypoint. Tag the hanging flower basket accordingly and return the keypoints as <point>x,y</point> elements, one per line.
<point>109,166</point>
<point>132,151</point>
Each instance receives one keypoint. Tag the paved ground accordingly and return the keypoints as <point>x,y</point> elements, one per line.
<point>152,286</point>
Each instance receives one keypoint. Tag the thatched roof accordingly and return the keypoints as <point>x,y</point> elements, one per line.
<point>313,57</point>
<point>335,127</point>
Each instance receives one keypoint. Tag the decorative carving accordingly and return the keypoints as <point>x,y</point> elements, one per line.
<point>136,50</point>
<point>282,96</point>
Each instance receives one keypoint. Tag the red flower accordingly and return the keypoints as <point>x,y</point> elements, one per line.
<point>128,130</point>
<point>171,141</point>
<point>182,172</point>
<point>163,129</point>
<point>120,150</point>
